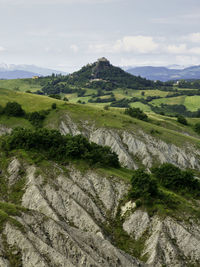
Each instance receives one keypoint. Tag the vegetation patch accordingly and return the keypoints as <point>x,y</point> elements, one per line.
<point>53,145</point>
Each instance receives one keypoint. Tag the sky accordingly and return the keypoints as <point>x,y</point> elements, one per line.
<point>67,34</point>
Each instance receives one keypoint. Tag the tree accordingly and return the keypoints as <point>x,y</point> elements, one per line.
<point>53,106</point>
<point>197,127</point>
<point>181,119</point>
<point>14,109</point>
<point>136,113</point>
<point>143,184</point>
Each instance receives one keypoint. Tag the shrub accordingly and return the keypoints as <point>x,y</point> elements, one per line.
<point>53,106</point>
<point>143,185</point>
<point>172,177</point>
<point>197,127</point>
<point>181,119</point>
<point>14,109</point>
<point>36,118</point>
<point>136,113</point>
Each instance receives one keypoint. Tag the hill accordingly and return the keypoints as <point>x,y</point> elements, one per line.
<point>17,74</point>
<point>102,74</point>
<point>51,203</point>
<point>166,74</point>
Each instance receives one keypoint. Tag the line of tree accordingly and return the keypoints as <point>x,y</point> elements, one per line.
<point>55,146</point>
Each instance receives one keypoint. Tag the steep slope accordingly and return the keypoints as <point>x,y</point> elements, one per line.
<point>73,218</point>
<point>133,146</point>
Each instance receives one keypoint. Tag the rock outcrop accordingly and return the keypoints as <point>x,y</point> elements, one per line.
<point>135,146</point>
<point>66,220</point>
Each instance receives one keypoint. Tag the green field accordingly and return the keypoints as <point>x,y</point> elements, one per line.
<point>30,102</point>
<point>179,100</point>
<point>192,102</point>
<point>142,106</point>
<point>20,85</point>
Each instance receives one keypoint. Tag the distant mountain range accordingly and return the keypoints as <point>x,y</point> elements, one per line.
<point>12,71</point>
<point>166,74</point>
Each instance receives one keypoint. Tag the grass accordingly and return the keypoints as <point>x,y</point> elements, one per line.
<point>178,100</point>
<point>29,102</point>
<point>192,102</point>
<point>20,85</point>
<point>142,106</point>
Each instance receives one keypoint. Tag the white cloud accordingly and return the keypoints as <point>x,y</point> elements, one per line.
<point>177,49</point>
<point>50,2</point>
<point>187,60</point>
<point>193,37</point>
<point>138,44</point>
<point>2,49</point>
<point>74,48</point>
<point>142,62</point>
<point>195,50</point>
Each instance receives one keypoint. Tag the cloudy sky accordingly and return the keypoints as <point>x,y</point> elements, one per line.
<point>66,34</point>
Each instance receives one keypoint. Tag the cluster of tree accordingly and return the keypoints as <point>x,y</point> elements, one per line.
<point>104,85</point>
<point>174,110</point>
<point>193,84</point>
<point>102,100</point>
<point>37,118</point>
<point>55,146</point>
<point>136,113</point>
<point>122,103</point>
<point>100,92</point>
<point>12,109</point>
<point>172,177</point>
<point>146,185</point>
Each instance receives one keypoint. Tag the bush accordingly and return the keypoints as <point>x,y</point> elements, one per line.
<point>14,109</point>
<point>136,113</point>
<point>36,118</point>
<point>181,119</point>
<point>197,127</point>
<point>53,106</point>
<point>143,185</point>
<point>174,178</point>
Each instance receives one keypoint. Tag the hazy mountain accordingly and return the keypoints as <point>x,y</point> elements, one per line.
<point>166,73</point>
<point>12,71</point>
<point>17,74</point>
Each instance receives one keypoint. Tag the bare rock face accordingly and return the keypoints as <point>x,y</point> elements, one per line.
<point>67,220</point>
<point>131,146</point>
<point>167,242</point>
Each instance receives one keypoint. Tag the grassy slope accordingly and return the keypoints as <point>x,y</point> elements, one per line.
<point>192,102</point>
<point>20,84</point>
<point>167,128</point>
<point>30,102</point>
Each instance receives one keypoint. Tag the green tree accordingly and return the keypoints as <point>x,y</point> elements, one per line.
<point>143,185</point>
<point>197,127</point>
<point>181,119</point>
<point>136,113</point>
<point>14,109</point>
<point>53,106</point>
